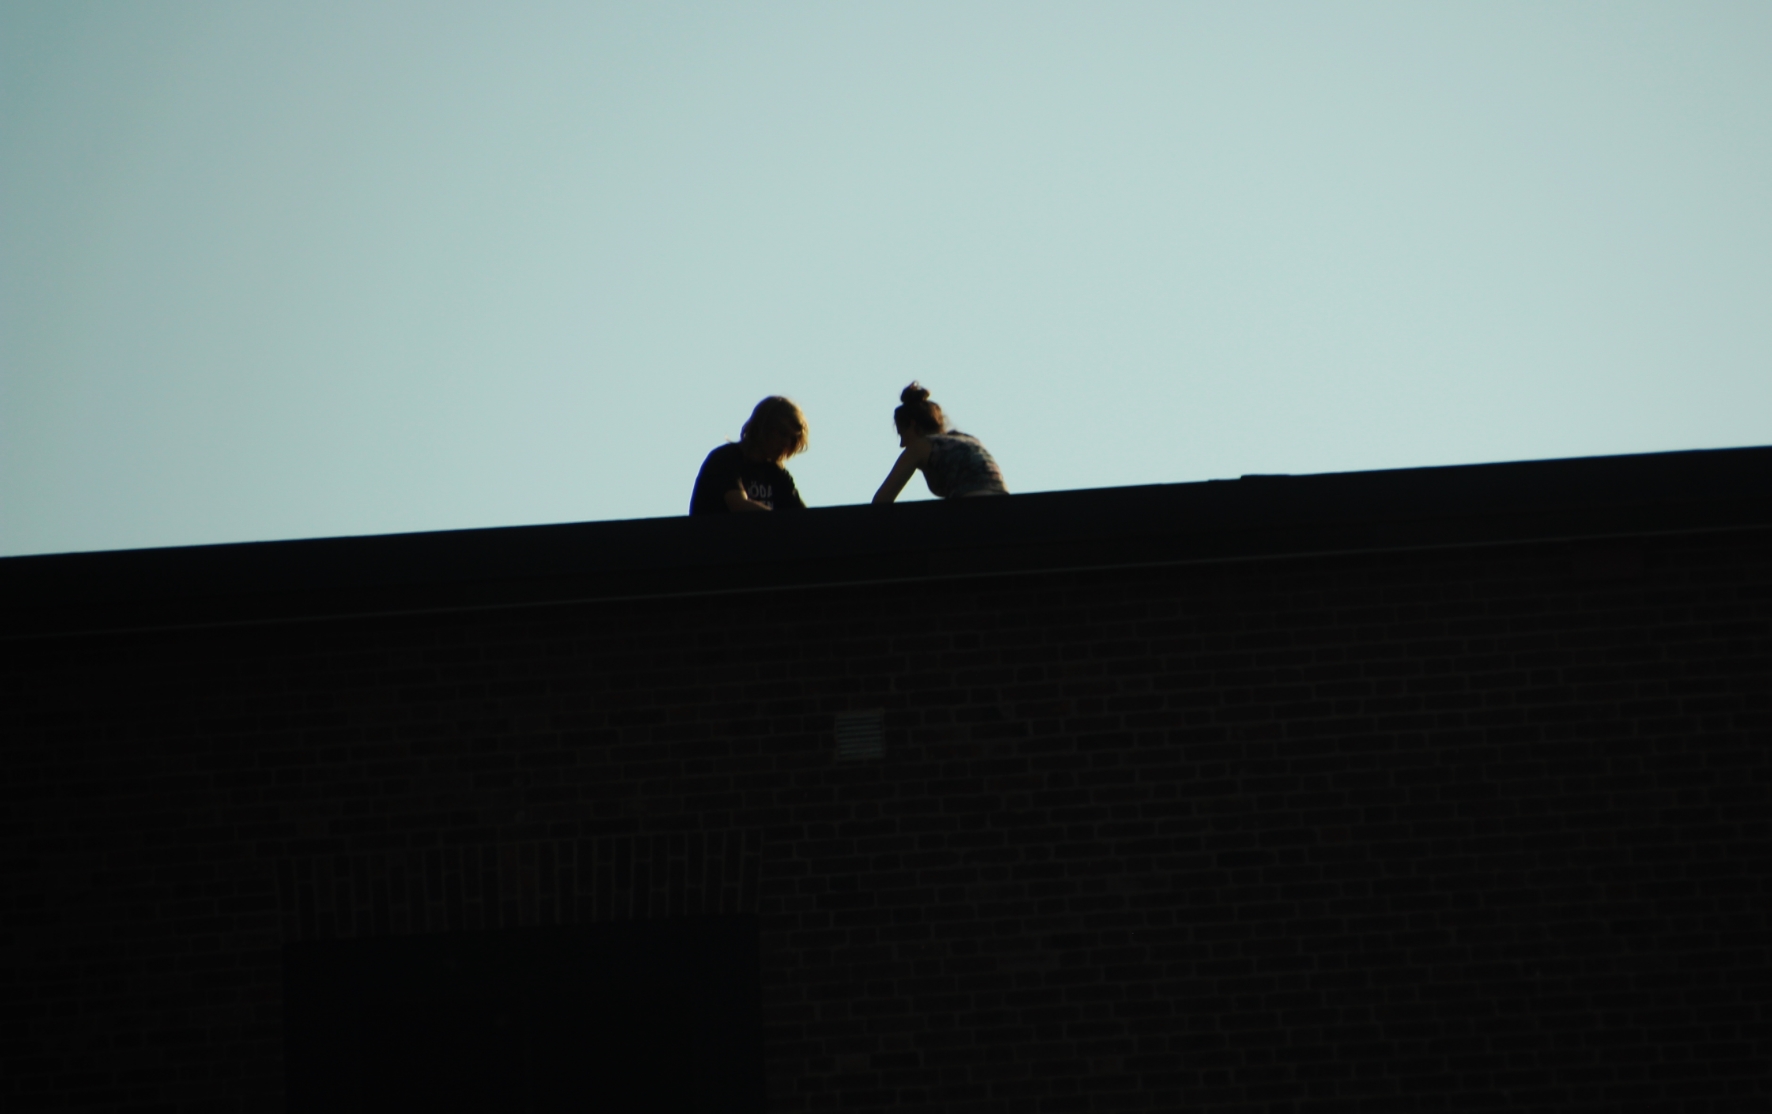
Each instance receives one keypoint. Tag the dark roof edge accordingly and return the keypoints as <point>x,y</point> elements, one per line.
<point>1257,517</point>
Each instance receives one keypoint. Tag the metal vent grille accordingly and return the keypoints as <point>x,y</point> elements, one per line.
<point>861,735</point>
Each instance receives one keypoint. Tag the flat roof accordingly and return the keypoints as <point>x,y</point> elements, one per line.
<point>1255,517</point>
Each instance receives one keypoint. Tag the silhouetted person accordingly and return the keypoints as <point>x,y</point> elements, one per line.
<point>954,464</point>
<point>748,476</point>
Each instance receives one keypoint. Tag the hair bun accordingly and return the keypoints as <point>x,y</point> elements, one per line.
<point>917,412</point>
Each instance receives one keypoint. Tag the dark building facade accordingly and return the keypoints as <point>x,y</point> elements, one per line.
<point>1432,790</point>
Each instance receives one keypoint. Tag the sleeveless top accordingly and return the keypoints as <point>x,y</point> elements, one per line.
<point>958,465</point>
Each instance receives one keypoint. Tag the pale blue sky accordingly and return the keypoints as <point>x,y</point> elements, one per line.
<point>307,269</point>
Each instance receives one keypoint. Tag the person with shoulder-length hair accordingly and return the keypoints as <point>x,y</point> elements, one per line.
<point>954,464</point>
<point>748,476</point>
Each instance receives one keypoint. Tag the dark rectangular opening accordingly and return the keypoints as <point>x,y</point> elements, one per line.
<point>635,1016</point>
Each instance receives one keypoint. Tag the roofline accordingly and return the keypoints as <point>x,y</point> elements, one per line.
<point>1254,518</point>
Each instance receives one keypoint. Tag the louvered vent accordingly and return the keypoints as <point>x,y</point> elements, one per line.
<point>861,735</point>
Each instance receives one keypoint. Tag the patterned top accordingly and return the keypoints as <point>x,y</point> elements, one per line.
<point>958,465</point>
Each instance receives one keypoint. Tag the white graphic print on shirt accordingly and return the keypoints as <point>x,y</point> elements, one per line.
<point>760,493</point>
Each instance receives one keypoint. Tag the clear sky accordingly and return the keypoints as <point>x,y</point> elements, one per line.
<point>318,268</point>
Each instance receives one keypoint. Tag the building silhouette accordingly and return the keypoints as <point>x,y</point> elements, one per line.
<point>1440,789</point>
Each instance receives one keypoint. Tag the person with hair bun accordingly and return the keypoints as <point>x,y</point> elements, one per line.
<point>748,476</point>
<point>954,464</point>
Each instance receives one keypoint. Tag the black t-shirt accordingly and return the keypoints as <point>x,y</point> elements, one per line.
<point>767,483</point>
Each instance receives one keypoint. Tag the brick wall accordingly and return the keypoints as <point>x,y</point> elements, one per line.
<point>1476,827</point>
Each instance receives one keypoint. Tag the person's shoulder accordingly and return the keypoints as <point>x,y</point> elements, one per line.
<point>724,449</point>
<point>718,467</point>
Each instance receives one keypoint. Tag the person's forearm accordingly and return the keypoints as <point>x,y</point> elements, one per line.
<point>895,480</point>
<point>738,501</point>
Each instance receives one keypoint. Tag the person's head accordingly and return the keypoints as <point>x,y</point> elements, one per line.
<point>916,414</point>
<point>775,431</point>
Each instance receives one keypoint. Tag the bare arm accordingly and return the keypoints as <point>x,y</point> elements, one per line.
<point>738,499</point>
<point>913,457</point>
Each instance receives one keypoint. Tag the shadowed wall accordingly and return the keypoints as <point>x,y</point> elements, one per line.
<point>1443,790</point>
